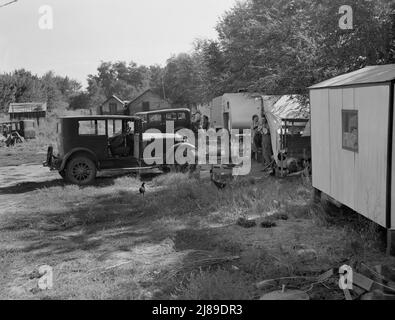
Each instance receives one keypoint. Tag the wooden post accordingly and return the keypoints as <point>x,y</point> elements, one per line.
<point>391,242</point>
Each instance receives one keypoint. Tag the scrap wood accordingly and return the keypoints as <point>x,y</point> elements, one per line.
<point>363,282</point>
<point>347,295</point>
<point>380,282</point>
<point>327,275</point>
<point>376,273</point>
<point>320,279</point>
<point>263,284</point>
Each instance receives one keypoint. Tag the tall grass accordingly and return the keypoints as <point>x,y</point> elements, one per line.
<point>215,285</point>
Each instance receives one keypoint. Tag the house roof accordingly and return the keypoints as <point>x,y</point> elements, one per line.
<point>27,107</point>
<point>370,74</point>
<point>140,95</point>
<point>116,98</point>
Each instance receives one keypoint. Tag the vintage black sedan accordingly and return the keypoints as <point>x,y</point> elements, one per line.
<point>89,144</point>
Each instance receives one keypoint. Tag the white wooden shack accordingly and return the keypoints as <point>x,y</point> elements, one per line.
<point>352,129</point>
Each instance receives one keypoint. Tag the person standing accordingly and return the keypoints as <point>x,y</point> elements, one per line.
<point>266,144</point>
<point>256,136</point>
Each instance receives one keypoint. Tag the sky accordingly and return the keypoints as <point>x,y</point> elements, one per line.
<point>86,32</point>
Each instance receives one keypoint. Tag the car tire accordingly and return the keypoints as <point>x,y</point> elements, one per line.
<point>81,171</point>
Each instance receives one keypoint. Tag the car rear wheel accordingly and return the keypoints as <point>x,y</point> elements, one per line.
<point>81,171</point>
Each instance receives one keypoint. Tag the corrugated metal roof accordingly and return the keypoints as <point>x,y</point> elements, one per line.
<point>370,74</point>
<point>27,107</point>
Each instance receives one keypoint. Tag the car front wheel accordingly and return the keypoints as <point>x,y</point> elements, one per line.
<point>81,171</point>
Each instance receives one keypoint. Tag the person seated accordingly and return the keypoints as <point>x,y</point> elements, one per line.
<point>118,145</point>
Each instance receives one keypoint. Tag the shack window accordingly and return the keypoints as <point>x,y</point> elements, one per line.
<point>350,130</point>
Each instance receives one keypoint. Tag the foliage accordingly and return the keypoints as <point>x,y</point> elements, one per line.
<point>267,46</point>
<point>22,86</point>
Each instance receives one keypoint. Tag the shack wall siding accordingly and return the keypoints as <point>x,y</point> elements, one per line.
<point>393,175</point>
<point>371,160</point>
<point>342,162</point>
<point>356,179</point>
<point>320,146</point>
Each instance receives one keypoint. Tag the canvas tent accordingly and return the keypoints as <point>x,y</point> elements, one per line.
<point>284,107</point>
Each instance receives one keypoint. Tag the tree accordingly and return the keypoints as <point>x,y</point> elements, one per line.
<point>118,78</point>
<point>22,86</point>
<point>284,46</point>
<point>181,80</point>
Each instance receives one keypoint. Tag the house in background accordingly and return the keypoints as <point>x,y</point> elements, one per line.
<point>26,111</point>
<point>113,106</point>
<point>147,101</point>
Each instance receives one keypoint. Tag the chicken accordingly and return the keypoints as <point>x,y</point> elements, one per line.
<point>142,189</point>
<point>220,185</point>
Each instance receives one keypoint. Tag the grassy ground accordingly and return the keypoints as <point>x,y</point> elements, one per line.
<point>108,242</point>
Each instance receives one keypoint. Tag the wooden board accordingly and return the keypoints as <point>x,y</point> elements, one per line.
<point>342,161</point>
<point>320,145</point>
<point>371,160</point>
<point>393,177</point>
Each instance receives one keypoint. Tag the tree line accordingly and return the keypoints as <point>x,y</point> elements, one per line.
<point>269,46</point>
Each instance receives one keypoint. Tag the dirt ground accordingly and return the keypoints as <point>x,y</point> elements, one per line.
<point>180,241</point>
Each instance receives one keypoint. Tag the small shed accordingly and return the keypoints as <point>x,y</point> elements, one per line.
<point>145,102</point>
<point>112,106</point>
<point>352,131</point>
<point>26,111</point>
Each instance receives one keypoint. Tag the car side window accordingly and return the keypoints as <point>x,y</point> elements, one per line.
<point>171,116</point>
<point>114,127</point>
<point>155,118</point>
<point>182,116</point>
<point>92,128</point>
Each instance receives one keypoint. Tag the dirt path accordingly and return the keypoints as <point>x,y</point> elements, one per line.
<point>15,175</point>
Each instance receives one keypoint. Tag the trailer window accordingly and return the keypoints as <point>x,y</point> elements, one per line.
<point>350,130</point>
